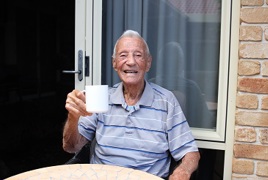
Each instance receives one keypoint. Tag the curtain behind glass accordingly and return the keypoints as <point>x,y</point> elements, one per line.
<point>183,37</point>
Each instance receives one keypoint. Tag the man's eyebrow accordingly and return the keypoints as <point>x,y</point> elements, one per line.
<point>122,52</point>
<point>125,51</point>
<point>137,52</point>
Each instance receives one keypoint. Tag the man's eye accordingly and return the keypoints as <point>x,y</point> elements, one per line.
<point>123,56</point>
<point>138,56</point>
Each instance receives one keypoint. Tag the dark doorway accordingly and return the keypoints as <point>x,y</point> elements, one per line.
<point>37,43</point>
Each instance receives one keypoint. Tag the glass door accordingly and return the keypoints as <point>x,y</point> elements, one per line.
<point>189,45</point>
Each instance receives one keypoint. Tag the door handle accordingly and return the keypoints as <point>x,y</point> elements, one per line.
<point>80,67</point>
<point>71,72</point>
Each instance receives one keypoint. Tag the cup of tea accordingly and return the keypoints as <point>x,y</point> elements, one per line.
<point>96,98</point>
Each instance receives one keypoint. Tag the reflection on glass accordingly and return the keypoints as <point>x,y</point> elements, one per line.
<point>170,74</point>
<point>184,40</point>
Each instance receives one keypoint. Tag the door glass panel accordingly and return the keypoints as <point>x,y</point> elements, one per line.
<point>184,40</point>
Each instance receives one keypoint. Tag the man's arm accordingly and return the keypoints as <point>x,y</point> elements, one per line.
<point>72,141</point>
<point>75,104</point>
<point>188,165</point>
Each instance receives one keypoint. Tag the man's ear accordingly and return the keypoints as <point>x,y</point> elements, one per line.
<point>149,63</point>
<point>114,64</point>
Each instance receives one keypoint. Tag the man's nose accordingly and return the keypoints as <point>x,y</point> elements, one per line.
<point>131,59</point>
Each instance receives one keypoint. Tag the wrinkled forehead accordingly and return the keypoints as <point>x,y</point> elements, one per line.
<point>131,44</point>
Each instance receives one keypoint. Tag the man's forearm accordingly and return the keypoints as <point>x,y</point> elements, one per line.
<point>188,165</point>
<point>72,140</point>
<point>190,161</point>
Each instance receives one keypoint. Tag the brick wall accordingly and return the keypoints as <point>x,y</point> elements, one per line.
<point>251,124</point>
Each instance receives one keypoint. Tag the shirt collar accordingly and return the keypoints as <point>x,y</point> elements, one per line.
<point>146,99</point>
<point>147,95</point>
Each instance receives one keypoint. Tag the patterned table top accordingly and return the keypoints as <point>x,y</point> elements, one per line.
<point>84,171</point>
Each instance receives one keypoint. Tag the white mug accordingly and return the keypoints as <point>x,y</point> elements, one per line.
<point>97,98</point>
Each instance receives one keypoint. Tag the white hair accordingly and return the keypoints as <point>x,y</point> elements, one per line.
<point>131,33</point>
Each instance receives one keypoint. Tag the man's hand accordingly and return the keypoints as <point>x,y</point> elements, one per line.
<point>76,104</point>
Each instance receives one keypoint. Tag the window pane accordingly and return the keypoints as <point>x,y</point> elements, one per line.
<point>184,40</point>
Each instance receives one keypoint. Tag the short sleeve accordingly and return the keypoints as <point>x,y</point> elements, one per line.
<point>180,138</point>
<point>87,126</point>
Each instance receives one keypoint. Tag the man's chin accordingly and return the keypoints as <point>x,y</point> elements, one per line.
<point>131,82</point>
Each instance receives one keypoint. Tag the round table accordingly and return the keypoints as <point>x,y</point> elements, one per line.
<point>84,171</point>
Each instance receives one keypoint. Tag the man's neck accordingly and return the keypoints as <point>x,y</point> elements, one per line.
<point>133,94</point>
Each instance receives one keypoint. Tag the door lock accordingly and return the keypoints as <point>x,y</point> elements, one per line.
<point>80,67</point>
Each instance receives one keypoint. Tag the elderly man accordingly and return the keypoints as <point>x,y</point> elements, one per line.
<point>144,125</point>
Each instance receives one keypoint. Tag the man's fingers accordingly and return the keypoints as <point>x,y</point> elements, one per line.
<point>75,103</point>
<point>81,96</point>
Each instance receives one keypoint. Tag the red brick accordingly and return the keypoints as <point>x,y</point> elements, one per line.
<point>245,134</point>
<point>250,33</point>
<point>246,67</point>
<point>245,118</point>
<point>252,2</point>
<point>246,177</point>
<point>266,34</point>
<point>253,50</point>
<point>264,68</point>
<point>264,136</point>
<point>253,85</point>
<point>262,169</point>
<point>247,101</point>
<point>243,166</point>
<point>264,104</point>
<point>251,151</point>
<point>254,15</point>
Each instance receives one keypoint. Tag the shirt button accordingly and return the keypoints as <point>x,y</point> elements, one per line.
<point>129,132</point>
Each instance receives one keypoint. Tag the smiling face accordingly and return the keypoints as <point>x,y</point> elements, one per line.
<point>131,60</point>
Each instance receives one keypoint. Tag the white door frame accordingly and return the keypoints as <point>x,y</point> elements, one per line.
<point>88,39</point>
<point>97,37</point>
<point>80,33</point>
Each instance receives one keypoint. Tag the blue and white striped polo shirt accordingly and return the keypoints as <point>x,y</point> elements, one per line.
<point>140,137</point>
